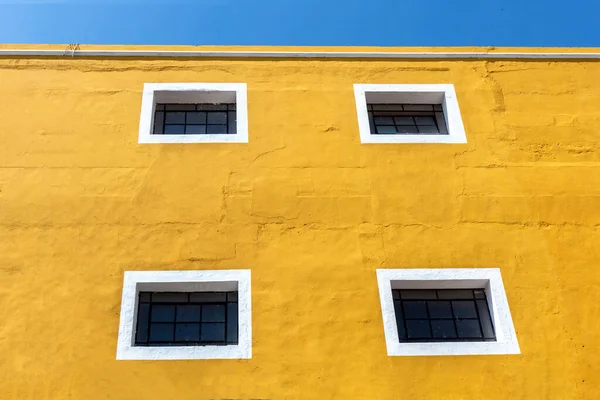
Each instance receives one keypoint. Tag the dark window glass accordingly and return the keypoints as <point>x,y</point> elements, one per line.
<point>403,119</point>
<point>418,329</point>
<point>443,329</point>
<point>445,315</point>
<point>194,119</point>
<point>186,319</point>
<point>415,310</point>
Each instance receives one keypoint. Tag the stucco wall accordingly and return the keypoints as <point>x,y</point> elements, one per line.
<point>311,212</point>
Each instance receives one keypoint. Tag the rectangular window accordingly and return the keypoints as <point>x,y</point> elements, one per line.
<point>408,113</point>
<point>406,119</point>
<point>446,315</point>
<point>445,312</point>
<point>185,315</point>
<point>187,319</point>
<point>194,112</point>
<point>195,119</point>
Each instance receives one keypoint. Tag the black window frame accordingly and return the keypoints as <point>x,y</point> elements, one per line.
<point>148,301</point>
<point>466,307</point>
<point>406,119</point>
<point>188,126</point>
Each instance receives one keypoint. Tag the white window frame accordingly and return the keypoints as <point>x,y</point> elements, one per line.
<point>195,92</point>
<point>184,281</point>
<point>489,279</point>
<point>443,94</point>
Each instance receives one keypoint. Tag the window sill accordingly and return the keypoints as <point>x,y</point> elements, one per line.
<point>204,138</point>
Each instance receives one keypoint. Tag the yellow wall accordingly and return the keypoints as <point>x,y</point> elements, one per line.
<point>312,212</point>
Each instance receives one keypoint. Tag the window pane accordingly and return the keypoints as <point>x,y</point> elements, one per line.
<point>384,120</point>
<point>174,129</point>
<point>144,297</point>
<point>232,122</point>
<point>212,107</point>
<point>187,332</point>
<point>418,294</point>
<point>158,123</point>
<point>180,107</point>
<point>232,323</point>
<point>440,309</point>
<point>464,309</point>
<point>425,121</point>
<point>428,129</point>
<point>400,320</point>
<point>208,297</point>
<point>455,294</point>
<point>217,118</point>
<point>213,313</point>
<point>216,129</point>
<point>161,332</point>
<point>443,329</point>
<point>195,129</point>
<point>188,313</point>
<point>387,107</point>
<point>418,107</point>
<point>404,121</point>
<point>468,329</point>
<point>163,313</point>
<point>486,321</point>
<point>408,129</point>
<point>142,324</point>
<point>418,329</point>
<point>175,117</point>
<point>386,129</point>
<point>169,297</point>
<point>196,118</point>
<point>232,296</point>
<point>415,309</point>
<point>212,332</point>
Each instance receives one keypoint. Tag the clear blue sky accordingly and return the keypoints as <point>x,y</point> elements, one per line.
<point>569,23</point>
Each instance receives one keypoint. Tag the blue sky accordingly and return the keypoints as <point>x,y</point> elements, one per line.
<point>556,23</point>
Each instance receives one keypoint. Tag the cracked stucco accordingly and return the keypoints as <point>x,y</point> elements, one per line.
<point>311,212</point>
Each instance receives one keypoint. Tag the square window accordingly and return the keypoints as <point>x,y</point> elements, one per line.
<point>445,312</point>
<point>194,113</point>
<point>176,315</point>
<point>408,114</point>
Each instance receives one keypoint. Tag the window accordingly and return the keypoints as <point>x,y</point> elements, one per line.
<point>194,119</point>
<point>194,113</point>
<point>405,119</point>
<point>408,114</point>
<point>187,318</point>
<point>176,315</point>
<point>445,312</point>
<point>446,315</point>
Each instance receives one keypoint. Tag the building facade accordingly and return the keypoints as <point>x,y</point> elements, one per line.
<point>318,195</point>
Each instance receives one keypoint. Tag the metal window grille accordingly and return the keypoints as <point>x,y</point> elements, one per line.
<point>187,319</point>
<point>407,119</point>
<point>194,119</point>
<point>448,315</point>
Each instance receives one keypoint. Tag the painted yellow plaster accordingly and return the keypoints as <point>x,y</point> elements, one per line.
<point>311,212</point>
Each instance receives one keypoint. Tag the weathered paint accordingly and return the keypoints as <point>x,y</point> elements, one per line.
<point>312,212</point>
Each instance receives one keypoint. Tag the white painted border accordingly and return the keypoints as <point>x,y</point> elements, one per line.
<point>213,280</point>
<point>416,94</point>
<point>148,104</point>
<point>462,278</point>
